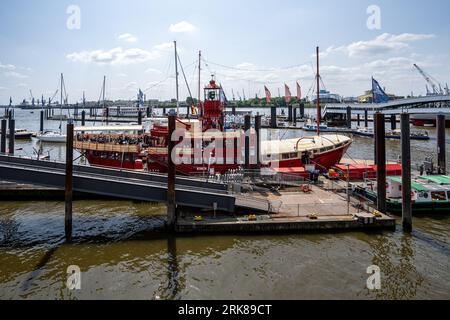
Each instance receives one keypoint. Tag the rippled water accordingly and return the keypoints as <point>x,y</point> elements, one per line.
<point>123,254</point>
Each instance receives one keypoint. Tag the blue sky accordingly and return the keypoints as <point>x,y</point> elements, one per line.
<point>248,44</point>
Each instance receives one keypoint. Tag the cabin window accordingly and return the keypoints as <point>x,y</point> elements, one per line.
<point>285,156</point>
<point>212,94</point>
<point>448,195</point>
<point>438,196</point>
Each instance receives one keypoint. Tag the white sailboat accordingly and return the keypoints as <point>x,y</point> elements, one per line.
<point>53,135</point>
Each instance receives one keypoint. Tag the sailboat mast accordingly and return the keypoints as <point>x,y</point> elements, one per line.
<point>61,104</point>
<point>176,76</point>
<point>199,104</point>
<point>104,89</point>
<point>318,93</point>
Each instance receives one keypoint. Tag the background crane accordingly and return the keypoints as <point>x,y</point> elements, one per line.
<point>435,85</point>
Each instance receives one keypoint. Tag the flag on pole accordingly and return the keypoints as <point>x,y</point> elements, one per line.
<point>268,95</point>
<point>299,92</point>
<point>379,96</point>
<point>287,94</point>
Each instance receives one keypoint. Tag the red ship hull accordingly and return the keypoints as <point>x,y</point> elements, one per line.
<point>324,161</point>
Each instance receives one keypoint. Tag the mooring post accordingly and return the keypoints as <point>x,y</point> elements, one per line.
<point>164,111</point>
<point>406,173</point>
<point>258,140</point>
<point>366,118</point>
<point>171,205</point>
<point>295,117</point>
<point>247,126</point>
<point>69,182</point>
<point>273,117</point>
<point>41,123</point>
<point>12,135</point>
<point>393,122</point>
<point>289,113</point>
<point>139,117</point>
<point>233,109</point>
<point>359,119</point>
<point>83,118</point>
<point>349,117</point>
<point>148,112</point>
<point>302,110</point>
<point>107,115</point>
<point>380,144</point>
<point>442,162</point>
<point>3,137</point>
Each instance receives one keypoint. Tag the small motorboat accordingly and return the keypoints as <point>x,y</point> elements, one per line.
<point>51,136</point>
<point>393,134</point>
<point>21,134</point>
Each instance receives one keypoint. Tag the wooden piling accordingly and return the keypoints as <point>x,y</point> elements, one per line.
<point>302,110</point>
<point>233,109</point>
<point>290,115</point>
<point>349,117</point>
<point>295,117</point>
<point>139,117</point>
<point>171,205</point>
<point>366,118</point>
<point>258,138</point>
<point>69,183</point>
<point>393,122</point>
<point>406,173</point>
<point>3,137</point>
<point>83,118</point>
<point>41,123</point>
<point>380,144</point>
<point>148,112</point>
<point>247,126</point>
<point>12,136</point>
<point>442,162</point>
<point>273,117</point>
<point>359,119</point>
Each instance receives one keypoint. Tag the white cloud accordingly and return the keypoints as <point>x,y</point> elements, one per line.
<point>182,27</point>
<point>23,85</point>
<point>127,37</point>
<point>3,88</point>
<point>152,70</point>
<point>13,74</point>
<point>383,44</point>
<point>116,56</point>
<point>7,66</point>
<point>122,75</point>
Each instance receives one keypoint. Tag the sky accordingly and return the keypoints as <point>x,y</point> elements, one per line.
<point>246,44</point>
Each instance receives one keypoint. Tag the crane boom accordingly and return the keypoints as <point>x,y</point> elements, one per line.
<point>427,78</point>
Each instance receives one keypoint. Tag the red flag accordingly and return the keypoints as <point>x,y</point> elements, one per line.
<point>287,94</point>
<point>299,92</point>
<point>268,95</point>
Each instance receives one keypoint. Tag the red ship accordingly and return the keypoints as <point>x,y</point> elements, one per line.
<point>204,146</point>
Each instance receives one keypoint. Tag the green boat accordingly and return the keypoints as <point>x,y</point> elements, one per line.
<point>429,194</point>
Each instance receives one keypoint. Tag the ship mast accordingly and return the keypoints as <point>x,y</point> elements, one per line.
<point>318,93</point>
<point>61,105</point>
<point>199,104</point>
<point>176,77</point>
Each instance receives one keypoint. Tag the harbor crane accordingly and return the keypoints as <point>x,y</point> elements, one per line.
<point>32,98</point>
<point>436,87</point>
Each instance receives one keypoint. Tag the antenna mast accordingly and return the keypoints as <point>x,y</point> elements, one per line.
<point>176,77</point>
<point>199,104</point>
<point>318,93</point>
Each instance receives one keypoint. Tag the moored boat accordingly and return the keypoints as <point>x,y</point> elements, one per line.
<point>429,194</point>
<point>21,134</point>
<point>51,136</point>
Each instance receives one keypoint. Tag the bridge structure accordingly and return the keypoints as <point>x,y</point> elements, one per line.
<point>140,186</point>
<point>438,104</point>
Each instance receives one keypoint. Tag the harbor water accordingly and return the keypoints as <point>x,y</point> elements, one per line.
<point>122,254</point>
